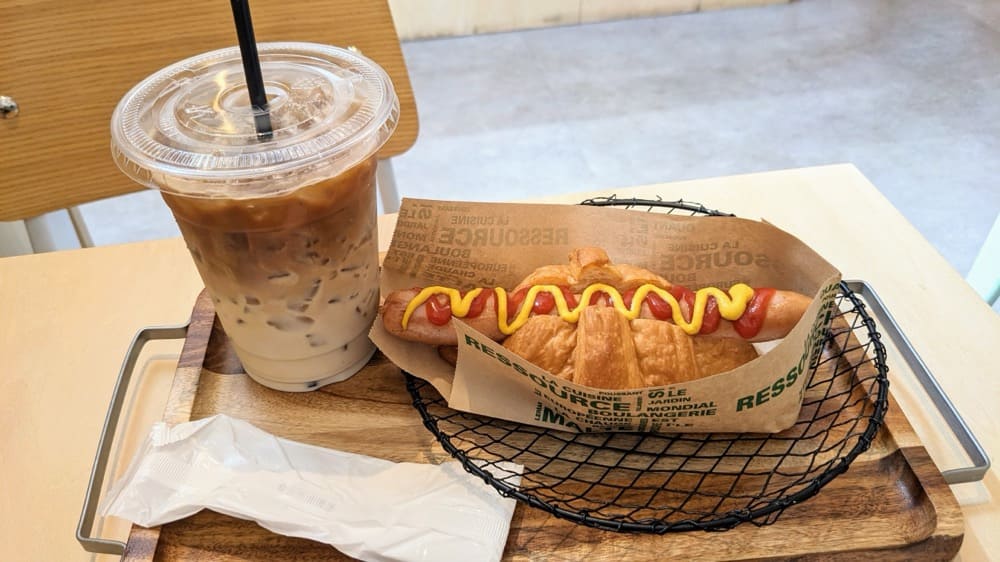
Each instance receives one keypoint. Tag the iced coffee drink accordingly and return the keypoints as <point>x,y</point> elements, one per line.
<point>294,278</point>
<point>283,230</point>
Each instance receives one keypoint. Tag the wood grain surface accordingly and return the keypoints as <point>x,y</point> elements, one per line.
<point>68,63</point>
<point>892,503</point>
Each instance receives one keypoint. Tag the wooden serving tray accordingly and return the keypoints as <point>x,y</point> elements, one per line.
<point>892,503</point>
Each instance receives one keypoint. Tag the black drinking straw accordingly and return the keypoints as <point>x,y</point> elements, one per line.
<point>251,68</point>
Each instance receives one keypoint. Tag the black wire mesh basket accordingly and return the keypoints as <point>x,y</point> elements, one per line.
<point>660,483</point>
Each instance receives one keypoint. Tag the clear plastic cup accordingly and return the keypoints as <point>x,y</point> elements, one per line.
<point>283,230</point>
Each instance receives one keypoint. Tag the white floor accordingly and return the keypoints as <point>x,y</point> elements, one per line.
<point>906,90</point>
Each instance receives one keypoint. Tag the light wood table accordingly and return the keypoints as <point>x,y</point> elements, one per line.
<point>66,320</point>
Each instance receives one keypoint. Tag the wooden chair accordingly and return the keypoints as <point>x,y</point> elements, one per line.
<point>66,64</point>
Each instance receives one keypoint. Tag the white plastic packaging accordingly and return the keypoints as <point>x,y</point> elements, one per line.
<point>365,507</point>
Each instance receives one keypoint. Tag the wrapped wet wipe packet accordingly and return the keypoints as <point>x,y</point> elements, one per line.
<point>365,507</point>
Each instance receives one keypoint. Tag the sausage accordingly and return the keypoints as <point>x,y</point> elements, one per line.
<point>420,329</point>
<point>783,311</point>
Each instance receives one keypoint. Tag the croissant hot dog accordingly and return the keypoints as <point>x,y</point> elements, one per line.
<point>761,314</point>
<point>775,312</point>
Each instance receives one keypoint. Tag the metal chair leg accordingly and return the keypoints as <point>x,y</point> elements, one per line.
<point>80,227</point>
<point>385,179</point>
<point>42,238</point>
<point>14,239</point>
<point>51,232</point>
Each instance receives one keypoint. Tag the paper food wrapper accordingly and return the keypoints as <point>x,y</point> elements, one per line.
<point>466,245</point>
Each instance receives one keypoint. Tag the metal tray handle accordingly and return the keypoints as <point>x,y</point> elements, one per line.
<point>86,526</point>
<point>975,451</point>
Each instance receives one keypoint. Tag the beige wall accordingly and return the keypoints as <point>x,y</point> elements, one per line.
<point>417,19</point>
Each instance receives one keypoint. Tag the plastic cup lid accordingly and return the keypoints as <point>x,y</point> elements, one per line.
<point>189,128</point>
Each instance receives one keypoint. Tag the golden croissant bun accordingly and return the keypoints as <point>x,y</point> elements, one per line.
<point>591,265</point>
<point>606,350</point>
